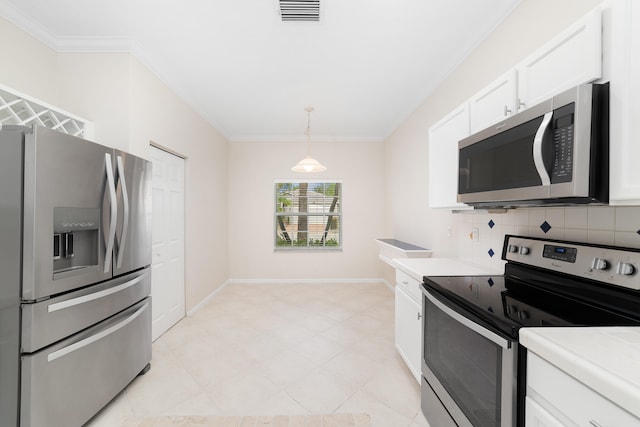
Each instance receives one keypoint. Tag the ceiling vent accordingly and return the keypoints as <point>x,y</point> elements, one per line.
<point>300,10</point>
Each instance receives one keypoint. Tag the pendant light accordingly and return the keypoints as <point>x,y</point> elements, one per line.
<point>308,164</point>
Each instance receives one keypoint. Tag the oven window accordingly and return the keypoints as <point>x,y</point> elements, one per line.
<point>467,365</point>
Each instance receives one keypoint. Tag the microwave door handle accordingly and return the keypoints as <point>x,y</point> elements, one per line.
<point>111,191</point>
<point>125,205</point>
<point>538,140</point>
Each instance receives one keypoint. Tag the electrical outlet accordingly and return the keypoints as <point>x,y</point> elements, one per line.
<point>475,234</point>
<point>449,234</point>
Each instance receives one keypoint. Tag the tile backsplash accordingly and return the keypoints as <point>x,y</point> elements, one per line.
<point>619,226</point>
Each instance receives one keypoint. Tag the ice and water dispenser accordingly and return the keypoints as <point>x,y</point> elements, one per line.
<point>75,238</point>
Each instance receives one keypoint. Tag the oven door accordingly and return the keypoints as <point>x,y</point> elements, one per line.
<point>471,369</point>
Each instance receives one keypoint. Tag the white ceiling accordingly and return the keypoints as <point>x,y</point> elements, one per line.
<point>365,67</point>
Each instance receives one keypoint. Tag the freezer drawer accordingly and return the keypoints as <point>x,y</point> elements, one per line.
<point>69,382</point>
<point>48,321</point>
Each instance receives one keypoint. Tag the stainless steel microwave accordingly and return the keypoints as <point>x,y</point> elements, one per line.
<point>556,152</point>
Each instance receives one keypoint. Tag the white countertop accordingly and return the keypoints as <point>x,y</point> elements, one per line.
<point>606,359</point>
<point>420,267</point>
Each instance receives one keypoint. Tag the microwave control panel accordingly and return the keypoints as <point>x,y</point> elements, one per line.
<point>563,136</point>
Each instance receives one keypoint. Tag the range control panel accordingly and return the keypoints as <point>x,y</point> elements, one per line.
<point>560,253</point>
<point>607,264</point>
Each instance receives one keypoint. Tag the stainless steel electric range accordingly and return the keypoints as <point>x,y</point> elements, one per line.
<point>473,368</point>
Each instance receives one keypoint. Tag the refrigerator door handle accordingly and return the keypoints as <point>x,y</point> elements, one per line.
<point>111,236</point>
<point>125,204</point>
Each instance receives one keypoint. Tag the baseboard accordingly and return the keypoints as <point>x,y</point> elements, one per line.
<point>206,299</point>
<point>391,286</point>
<point>303,281</point>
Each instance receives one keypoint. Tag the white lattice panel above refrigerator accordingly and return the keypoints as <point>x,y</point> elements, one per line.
<point>19,109</point>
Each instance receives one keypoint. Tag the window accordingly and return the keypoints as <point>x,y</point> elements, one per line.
<point>308,215</point>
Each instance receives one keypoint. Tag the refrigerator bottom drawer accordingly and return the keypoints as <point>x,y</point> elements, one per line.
<point>68,383</point>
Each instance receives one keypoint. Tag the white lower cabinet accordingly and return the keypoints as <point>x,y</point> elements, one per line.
<point>537,416</point>
<point>408,322</point>
<point>556,399</point>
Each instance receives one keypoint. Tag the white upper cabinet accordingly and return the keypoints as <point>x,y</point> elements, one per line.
<point>443,158</point>
<point>625,103</point>
<point>572,58</point>
<point>495,102</point>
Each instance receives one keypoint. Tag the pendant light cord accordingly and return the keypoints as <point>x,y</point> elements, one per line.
<point>307,132</point>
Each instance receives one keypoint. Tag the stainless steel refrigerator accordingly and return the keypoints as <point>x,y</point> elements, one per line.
<point>75,276</point>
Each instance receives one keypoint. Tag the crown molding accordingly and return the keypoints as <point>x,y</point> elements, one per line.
<point>65,44</point>
<point>94,45</point>
<point>314,139</point>
<point>22,21</point>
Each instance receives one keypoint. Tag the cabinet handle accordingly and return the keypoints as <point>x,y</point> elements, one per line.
<point>595,423</point>
<point>419,316</point>
<point>507,110</point>
<point>405,282</point>
<point>521,104</point>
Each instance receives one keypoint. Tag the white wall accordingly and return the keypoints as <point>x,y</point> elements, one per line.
<point>409,218</point>
<point>158,115</point>
<point>97,87</point>
<point>253,167</point>
<point>27,65</point>
<point>130,108</point>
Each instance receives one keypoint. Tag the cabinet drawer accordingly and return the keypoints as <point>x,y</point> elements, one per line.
<point>410,285</point>
<point>564,396</point>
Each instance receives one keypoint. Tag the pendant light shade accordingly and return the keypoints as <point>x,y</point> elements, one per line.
<point>308,164</point>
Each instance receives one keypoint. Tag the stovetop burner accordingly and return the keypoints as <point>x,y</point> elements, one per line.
<point>550,283</point>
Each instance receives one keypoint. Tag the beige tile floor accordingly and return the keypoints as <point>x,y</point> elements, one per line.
<point>279,349</point>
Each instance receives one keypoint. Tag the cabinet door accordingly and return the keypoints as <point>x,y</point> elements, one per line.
<point>409,331</point>
<point>443,158</point>
<point>571,399</point>
<point>625,93</point>
<point>493,103</point>
<point>572,58</point>
<point>536,416</point>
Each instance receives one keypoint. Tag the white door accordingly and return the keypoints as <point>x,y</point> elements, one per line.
<point>167,279</point>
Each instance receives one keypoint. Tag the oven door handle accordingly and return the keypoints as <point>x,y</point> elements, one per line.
<point>468,323</point>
